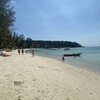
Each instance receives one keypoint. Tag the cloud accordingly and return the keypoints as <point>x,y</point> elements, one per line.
<point>13,1</point>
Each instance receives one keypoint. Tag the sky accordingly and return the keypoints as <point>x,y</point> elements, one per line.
<point>68,20</point>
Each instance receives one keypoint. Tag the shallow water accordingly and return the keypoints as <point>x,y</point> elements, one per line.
<point>90,58</point>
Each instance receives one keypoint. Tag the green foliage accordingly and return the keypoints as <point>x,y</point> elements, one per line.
<point>55,44</point>
<point>28,43</point>
<point>18,40</point>
<point>6,22</point>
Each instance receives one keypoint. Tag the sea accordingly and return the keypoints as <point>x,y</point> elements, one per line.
<point>89,59</point>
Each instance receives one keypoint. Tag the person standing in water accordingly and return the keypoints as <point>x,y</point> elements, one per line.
<point>63,58</point>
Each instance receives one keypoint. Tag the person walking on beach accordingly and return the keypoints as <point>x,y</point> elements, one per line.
<point>22,51</point>
<point>19,51</point>
<point>32,52</point>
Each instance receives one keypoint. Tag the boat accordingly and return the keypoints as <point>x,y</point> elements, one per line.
<point>5,54</point>
<point>74,54</point>
<point>66,48</point>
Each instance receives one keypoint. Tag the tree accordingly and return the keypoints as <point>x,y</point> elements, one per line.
<point>7,20</point>
<point>28,43</point>
<point>21,41</point>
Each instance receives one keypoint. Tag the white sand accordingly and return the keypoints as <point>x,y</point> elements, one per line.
<point>23,77</point>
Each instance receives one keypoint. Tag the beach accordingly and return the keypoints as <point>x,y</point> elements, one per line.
<point>27,77</point>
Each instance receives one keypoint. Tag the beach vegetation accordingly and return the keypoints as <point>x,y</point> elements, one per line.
<point>7,20</point>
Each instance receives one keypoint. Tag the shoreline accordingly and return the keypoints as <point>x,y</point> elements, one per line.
<point>71,65</point>
<point>60,60</point>
<point>27,77</point>
<point>89,59</point>
<point>79,66</point>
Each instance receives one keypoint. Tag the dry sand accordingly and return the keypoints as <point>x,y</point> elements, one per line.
<point>23,77</point>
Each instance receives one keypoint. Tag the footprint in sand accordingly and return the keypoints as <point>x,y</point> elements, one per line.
<point>90,93</point>
<point>68,99</point>
<point>37,98</point>
<point>18,83</point>
<point>41,67</point>
<point>19,98</point>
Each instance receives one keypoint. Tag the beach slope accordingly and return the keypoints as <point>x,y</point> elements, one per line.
<point>23,77</point>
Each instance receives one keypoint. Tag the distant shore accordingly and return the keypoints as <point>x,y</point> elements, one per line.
<point>27,77</point>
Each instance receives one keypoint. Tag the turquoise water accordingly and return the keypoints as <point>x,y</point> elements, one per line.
<point>90,58</point>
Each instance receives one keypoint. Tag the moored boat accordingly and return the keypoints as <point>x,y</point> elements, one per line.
<point>66,48</point>
<point>74,54</point>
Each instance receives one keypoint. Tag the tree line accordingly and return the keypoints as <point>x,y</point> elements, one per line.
<point>54,44</point>
<point>7,19</point>
<point>11,39</point>
<point>8,38</point>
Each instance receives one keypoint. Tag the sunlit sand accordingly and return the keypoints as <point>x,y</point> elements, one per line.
<point>27,77</point>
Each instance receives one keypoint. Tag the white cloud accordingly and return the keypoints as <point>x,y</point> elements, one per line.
<point>13,1</point>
